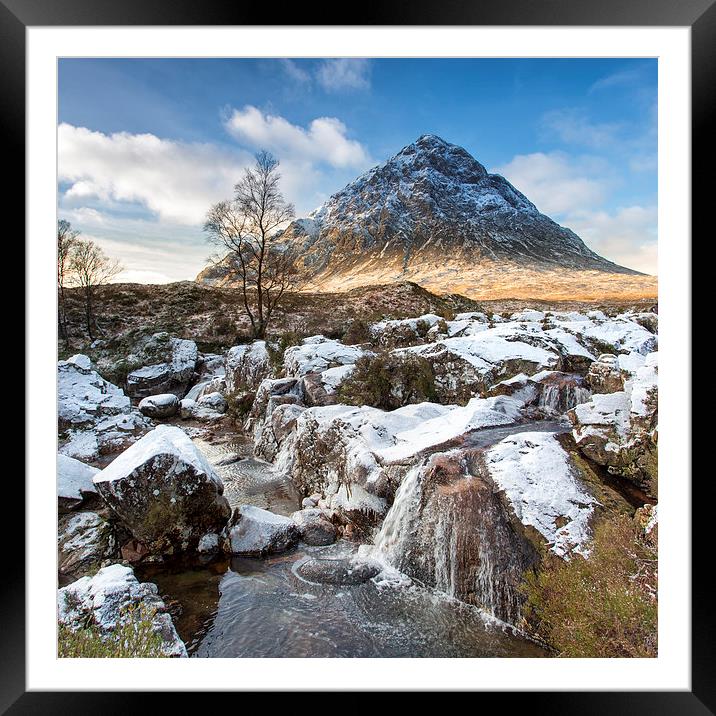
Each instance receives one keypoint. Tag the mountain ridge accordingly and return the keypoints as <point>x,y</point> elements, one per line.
<point>433,214</point>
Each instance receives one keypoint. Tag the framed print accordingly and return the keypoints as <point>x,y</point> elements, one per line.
<point>353,360</point>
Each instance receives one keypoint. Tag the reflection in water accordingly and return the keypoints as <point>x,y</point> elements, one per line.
<point>246,607</point>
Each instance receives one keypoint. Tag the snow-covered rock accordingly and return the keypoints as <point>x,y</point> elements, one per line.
<point>74,482</point>
<point>84,397</point>
<point>213,401</point>
<point>620,429</point>
<point>84,540</point>
<point>246,366</point>
<point>159,406</point>
<point>605,375</point>
<point>174,361</point>
<point>536,476</point>
<point>105,601</point>
<point>192,410</point>
<point>404,331</point>
<point>258,532</point>
<point>314,526</point>
<point>164,491</point>
<point>317,354</point>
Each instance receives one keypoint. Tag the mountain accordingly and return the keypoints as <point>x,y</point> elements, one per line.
<point>432,214</point>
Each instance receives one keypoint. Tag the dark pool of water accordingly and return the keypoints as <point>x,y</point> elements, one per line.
<point>244,607</point>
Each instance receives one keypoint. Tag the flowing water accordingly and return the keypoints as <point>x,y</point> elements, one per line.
<point>245,607</point>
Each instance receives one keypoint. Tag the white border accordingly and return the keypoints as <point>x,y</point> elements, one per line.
<point>671,670</point>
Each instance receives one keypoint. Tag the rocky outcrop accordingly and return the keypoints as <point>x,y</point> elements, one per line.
<point>95,417</point>
<point>604,375</point>
<point>164,405</point>
<point>620,430</point>
<point>256,532</point>
<point>173,361</point>
<point>84,541</point>
<point>472,523</point>
<point>113,597</point>
<point>317,354</point>
<point>164,491</point>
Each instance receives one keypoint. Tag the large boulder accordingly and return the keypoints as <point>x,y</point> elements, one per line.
<point>246,366</point>
<point>404,332</point>
<point>84,541</point>
<point>113,597</point>
<point>256,532</point>
<point>173,361</point>
<point>474,522</point>
<point>604,375</point>
<point>164,491</point>
<point>164,405</point>
<point>193,410</point>
<point>75,483</point>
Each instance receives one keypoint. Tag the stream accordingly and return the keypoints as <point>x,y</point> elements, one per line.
<point>247,607</point>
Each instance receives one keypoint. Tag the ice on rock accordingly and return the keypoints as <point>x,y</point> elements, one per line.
<point>259,532</point>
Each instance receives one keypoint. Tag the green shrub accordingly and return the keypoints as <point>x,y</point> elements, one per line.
<point>389,382</point>
<point>601,606</point>
<point>133,638</point>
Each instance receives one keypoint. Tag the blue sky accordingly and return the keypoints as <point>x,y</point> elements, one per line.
<point>145,146</point>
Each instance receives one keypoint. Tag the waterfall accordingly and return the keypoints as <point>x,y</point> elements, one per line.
<point>560,397</point>
<point>448,529</point>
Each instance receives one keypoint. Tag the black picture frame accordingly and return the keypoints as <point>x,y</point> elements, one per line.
<point>699,15</point>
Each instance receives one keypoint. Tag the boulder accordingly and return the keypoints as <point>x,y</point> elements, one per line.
<point>94,416</point>
<point>192,410</point>
<point>317,354</point>
<point>246,366</point>
<point>107,600</point>
<point>620,430</point>
<point>214,401</point>
<point>173,361</point>
<point>84,541</point>
<point>164,405</point>
<point>403,332</point>
<point>256,532</point>
<point>165,491</point>
<point>315,528</point>
<point>338,571</point>
<point>604,375</point>
<point>74,482</point>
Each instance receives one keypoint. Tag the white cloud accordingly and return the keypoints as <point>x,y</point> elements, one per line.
<point>296,73</point>
<point>565,188</point>
<point>556,182</point>
<point>618,79</point>
<point>574,127</point>
<point>174,180</point>
<point>346,73</point>
<point>324,141</point>
<point>628,236</point>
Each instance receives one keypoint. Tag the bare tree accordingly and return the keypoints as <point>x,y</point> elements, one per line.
<point>244,229</point>
<point>66,240</point>
<point>91,267</point>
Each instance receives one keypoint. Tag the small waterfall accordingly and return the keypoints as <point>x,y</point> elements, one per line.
<point>448,529</point>
<point>559,397</point>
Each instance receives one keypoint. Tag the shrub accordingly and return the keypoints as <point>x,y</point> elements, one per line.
<point>276,349</point>
<point>389,382</point>
<point>358,331</point>
<point>601,606</point>
<point>133,638</point>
